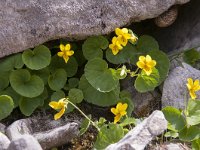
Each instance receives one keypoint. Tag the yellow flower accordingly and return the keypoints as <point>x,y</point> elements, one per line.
<point>133,38</point>
<point>119,111</point>
<point>123,35</point>
<point>193,87</point>
<point>60,105</point>
<point>115,46</point>
<point>65,52</point>
<point>146,63</point>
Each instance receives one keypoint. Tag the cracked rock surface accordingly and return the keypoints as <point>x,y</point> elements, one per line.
<point>25,24</point>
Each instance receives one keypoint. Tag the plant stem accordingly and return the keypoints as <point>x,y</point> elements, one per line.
<point>82,113</point>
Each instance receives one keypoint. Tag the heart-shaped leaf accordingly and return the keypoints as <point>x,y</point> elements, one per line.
<point>93,46</point>
<point>37,58</point>
<point>145,83</point>
<point>11,62</point>
<point>99,76</point>
<point>58,79</point>
<point>128,54</point>
<point>96,97</point>
<point>6,106</point>
<point>70,67</point>
<point>57,95</point>
<point>147,43</point>
<point>75,95</point>
<point>25,84</point>
<point>4,80</point>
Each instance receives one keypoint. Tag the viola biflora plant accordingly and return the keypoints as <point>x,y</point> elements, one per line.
<point>72,72</point>
<point>184,124</point>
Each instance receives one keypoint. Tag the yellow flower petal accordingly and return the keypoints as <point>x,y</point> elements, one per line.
<point>148,59</point>
<point>54,105</point>
<point>123,113</point>
<point>70,53</point>
<point>118,31</point>
<point>124,30</point>
<point>123,107</point>
<point>142,58</point>
<point>119,105</point>
<point>62,47</point>
<point>60,54</point>
<point>59,114</point>
<point>140,64</point>
<point>66,58</point>
<point>114,111</point>
<point>67,47</point>
<point>193,95</point>
<point>117,118</point>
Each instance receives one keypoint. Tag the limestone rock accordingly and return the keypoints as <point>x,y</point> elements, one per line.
<point>4,141</point>
<point>49,133</point>
<point>2,128</point>
<point>25,142</point>
<point>25,24</point>
<point>142,134</point>
<point>174,89</point>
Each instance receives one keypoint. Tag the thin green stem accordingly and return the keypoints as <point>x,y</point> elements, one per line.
<point>93,123</point>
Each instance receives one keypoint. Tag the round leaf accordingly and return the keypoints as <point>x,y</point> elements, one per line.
<point>11,62</point>
<point>70,67</point>
<point>75,95</point>
<point>57,80</point>
<point>4,80</point>
<point>93,46</point>
<point>145,83</point>
<point>57,95</point>
<point>43,74</point>
<point>73,82</point>
<point>147,43</point>
<point>37,58</point>
<point>99,76</point>
<point>189,134</point>
<point>25,84</point>
<point>96,97</point>
<point>6,106</point>
<point>162,63</point>
<point>127,55</point>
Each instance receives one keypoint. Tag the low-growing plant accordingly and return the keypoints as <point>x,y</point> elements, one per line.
<point>37,76</point>
<point>184,124</point>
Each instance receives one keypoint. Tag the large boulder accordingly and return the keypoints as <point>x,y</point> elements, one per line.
<point>25,24</point>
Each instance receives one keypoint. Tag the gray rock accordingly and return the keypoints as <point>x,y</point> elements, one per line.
<point>58,136</point>
<point>144,103</point>
<point>142,134</point>
<point>25,24</point>
<point>174,146</point>
<point>183,34</point>
<point>25,142</point>
<point>2,128</point>
<point>4,141</point>
<point>19,128</point>
<point>174,89</point>
<point>49,133</point>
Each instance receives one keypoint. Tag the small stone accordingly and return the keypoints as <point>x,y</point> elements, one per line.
<point>175,89</point>
<point>143,133</point>
<point>25,142</point>
<point>173,146</point>
<point>2,128</point>
<point>4,141</point>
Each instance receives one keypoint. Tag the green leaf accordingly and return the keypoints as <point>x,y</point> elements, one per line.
<point>37,58</point>
<point>73,82</point>
<point>147,43</point>
<point>189,134</point>
<point>96,97</point>
<point>11,62</point>
<point>145,83</point>
<point>99,76</point>
<point>93,46</point>
<point>193,110</point>
<point>128,121</point>
<point>57,95</point>
<point>43,74</point>
<point>15,96</point>
<point>6,106</point>
<point>57,79</point>
<point>127,55</point>
<point>172,134</point>
<point>75,95</point>
<point>162,63</point>
<point>25,84</point>
<point>84,125</point>
<point>4,80</point>
<point>176,121</point>
<point>108,134</point>
<point>70,67</point>
<point>191,56</point>
<point>196,144</point>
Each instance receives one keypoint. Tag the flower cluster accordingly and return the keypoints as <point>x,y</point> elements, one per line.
<point>122,38</point>
<point>193,86</point>
<point>146,64</point>
<point>65,52</point>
